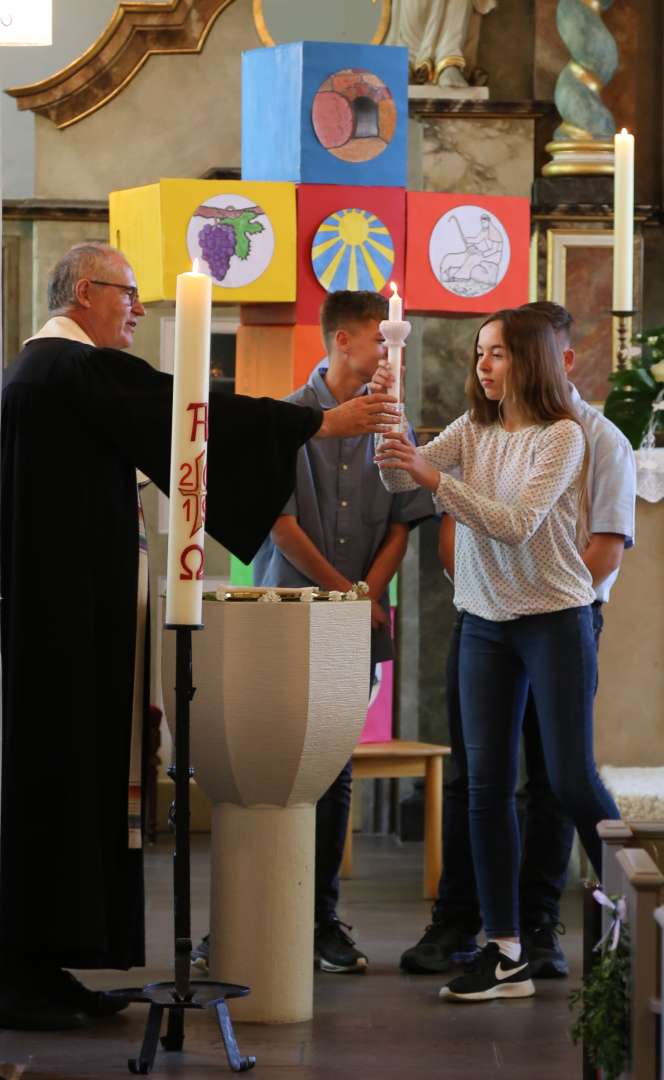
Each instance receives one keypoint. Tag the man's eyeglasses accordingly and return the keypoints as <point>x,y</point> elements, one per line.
<point>130,290</point>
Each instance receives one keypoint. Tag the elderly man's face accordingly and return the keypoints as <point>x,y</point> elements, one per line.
<point>114,307</point>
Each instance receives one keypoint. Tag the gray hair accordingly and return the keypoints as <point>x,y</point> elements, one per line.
<point>81,261</point>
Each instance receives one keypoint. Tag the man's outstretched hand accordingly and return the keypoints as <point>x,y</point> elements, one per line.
<point>366,415</point>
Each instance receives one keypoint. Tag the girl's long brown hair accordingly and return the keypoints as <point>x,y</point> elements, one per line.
<point>536,382</point>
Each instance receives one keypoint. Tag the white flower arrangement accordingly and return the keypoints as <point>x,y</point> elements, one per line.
<point>307,595</point>
<point>657,371</point>
<point>269,597</point>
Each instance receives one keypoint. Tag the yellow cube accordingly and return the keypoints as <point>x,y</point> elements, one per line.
<point>243,234</point>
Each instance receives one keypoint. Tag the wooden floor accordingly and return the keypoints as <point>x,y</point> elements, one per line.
<point>377,1026</point>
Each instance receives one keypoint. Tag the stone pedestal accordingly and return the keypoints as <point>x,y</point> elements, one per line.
<point>281,701</point>
<point>262,908</point>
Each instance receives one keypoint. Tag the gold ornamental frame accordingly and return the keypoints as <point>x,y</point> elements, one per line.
<point>267,39</point>
<point>558,243</point>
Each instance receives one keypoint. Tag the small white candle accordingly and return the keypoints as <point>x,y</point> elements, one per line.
<point>395,306</point>
<point>189,433</point>
<point>395,331</point>
<point>623,222</point>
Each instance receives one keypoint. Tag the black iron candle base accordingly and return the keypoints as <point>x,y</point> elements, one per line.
<point>182,993</point>
<point>162,996</point>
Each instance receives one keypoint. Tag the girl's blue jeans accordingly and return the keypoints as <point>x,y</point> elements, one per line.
<point>555,654</point>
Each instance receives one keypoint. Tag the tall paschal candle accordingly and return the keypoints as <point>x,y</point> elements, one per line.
<point>189,436</point>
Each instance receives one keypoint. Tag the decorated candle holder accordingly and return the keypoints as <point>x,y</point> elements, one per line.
<point>622,322</point>
<point>275,717</point>
<point>395,333</point>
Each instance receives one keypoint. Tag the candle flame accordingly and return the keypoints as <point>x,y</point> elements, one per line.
<point>624,131</point>
<point>394,287</point>
<point>194,267</point>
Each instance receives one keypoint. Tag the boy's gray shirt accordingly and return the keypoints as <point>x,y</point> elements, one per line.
<point>342,506</point>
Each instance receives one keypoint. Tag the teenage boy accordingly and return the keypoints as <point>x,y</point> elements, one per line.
<point>340,526</point>
<point>549,833</point>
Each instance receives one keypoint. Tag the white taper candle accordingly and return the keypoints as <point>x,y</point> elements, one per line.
<point>623,222</point>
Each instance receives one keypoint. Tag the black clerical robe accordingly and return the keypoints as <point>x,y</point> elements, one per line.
<point>76,424</point>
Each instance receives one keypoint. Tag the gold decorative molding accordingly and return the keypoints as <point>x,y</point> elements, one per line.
<point>137,31</point>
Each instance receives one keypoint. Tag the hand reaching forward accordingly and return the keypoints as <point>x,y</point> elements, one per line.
<point>397,452</point>
<point>366,415</point>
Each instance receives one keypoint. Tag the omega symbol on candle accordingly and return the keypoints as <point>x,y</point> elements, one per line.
<point>192,573</point>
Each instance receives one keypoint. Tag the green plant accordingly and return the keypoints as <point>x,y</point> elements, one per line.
<point>603,1002</point>
<point>635,388</point>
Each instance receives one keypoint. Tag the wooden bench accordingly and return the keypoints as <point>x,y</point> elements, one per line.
<point>632,872</point>
<point>388,760</point>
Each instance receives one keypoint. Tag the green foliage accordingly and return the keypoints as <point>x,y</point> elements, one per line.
<point>629,404</point>
<point>244,227</point>
<point>603,1004</point>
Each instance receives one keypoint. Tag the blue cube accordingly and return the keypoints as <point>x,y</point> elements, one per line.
<point>320,113</point>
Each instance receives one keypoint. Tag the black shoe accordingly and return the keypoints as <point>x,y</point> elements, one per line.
<point>200,956</point>
<point>443,946</point>
<point>335,951</point>
<point>37,1009</point>
<point>547,960</point>
<point>95,1004</point>
<point>492,975</point>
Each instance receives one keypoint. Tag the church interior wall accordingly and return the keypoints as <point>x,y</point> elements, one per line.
<point>510,69</point>
<point>179,116</point>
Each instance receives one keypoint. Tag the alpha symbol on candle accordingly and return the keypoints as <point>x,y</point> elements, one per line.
<point>196,421</point>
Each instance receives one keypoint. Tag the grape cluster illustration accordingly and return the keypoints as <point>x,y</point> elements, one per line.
<point>228,233</point>
<point>217,245</point>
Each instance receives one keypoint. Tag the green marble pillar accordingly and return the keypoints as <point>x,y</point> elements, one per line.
<point>583,143</point>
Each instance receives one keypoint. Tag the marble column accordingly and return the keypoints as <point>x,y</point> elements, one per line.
<point>583,143</point>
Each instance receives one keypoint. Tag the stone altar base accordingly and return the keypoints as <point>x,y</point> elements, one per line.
<point>281,699</point>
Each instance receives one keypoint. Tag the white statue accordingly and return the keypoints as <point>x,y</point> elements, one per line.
<point>440,36</point>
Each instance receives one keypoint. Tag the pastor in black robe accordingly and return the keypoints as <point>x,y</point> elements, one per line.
<point>76,424</point>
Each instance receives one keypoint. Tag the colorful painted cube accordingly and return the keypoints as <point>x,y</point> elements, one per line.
<point>242,233</point>
<point>466,254</point>
<point>347,238</point>
<point>322,113</point>
<point>272,361</point>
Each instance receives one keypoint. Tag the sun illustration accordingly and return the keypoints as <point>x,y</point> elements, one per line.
<point>352,250</point>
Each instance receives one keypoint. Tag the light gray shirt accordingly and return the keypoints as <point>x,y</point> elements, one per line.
<point>611,480</point>
<point>516,509</point>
